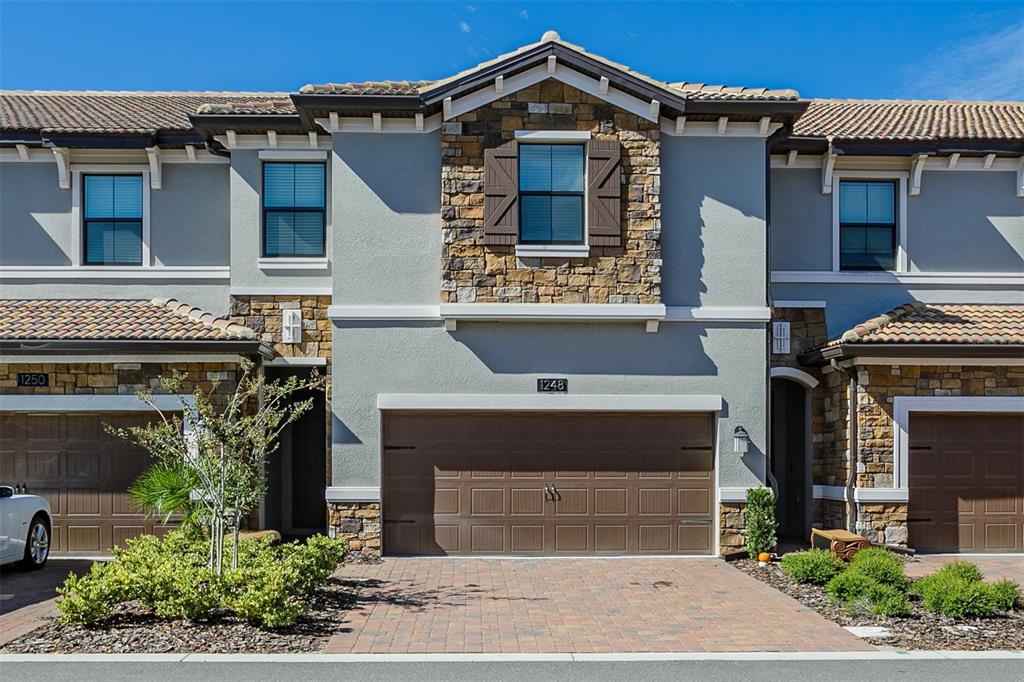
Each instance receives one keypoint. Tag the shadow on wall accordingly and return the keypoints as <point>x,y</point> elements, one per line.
<point>676,350</point>
<point>34,213</point>
<point>393,169</point>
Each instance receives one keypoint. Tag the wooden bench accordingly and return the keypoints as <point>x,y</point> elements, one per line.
<point>274,536</point>
<point>843,544</point>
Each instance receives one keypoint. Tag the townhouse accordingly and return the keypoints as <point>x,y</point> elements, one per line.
<point>566,308</point>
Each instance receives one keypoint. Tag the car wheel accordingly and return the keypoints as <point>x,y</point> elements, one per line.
<point>37,544</point>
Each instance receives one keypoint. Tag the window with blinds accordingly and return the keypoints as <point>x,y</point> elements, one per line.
<point>867,225</point>
<point>112,219</point>
<point>294,196</point>
<point>551,193</point>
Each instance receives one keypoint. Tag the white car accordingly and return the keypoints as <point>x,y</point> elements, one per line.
<point>24,528</point>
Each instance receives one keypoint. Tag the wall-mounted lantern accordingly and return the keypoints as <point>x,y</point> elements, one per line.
<point>740,440</point>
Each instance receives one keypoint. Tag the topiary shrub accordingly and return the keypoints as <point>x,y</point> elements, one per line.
<point>815,566</point>
<point>882,566</point>
<point>760,524</point>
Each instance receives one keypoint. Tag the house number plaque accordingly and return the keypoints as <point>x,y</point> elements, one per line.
<point>33,379</point>
<point>552,385</point>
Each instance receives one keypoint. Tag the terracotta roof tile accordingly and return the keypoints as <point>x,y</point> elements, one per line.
<point>111,112</point>
<point>911,120</point>
<point>367,88</point>
<point>944,323</point>
<point>114,320</point>
<point>249,107</point>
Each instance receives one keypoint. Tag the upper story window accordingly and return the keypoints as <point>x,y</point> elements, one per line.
<point>294,217</point>
<point>551,193</point>
<point>867,225</point>
<point>113,219</point>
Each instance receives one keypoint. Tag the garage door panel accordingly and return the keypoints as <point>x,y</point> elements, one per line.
<point>85,538</point>
<point>541,483</point>
<point>966,480</point>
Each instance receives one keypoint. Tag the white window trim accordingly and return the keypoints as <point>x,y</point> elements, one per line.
<point>881,277</point>
<point>65,272</point>
<point>557,250</point>
<point>553,136</point>
<point>293,263</point>
<point>553,250</point>
<point>297,262</point>
<point>904,406</point>
<point>901,211</point>
<point>78,224</point>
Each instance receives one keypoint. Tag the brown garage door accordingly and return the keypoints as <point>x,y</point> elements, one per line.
<point>966,476</point>
<point>548,484</point>
<point>82,471</point>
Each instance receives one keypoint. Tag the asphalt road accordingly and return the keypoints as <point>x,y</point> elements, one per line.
<point>534,671</point>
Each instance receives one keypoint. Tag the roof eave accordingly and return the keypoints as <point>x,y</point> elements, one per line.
<point>862,147</point>
<point>248,347</point>
<point>847,351</point>
<point>749,107</point>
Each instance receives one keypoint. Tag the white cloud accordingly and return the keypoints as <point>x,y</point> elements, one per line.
<point>470,8</point>
<point>987,65</point>
<point>524,15</point>
<point>464,27</point>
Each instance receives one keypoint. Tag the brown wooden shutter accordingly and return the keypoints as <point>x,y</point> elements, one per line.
<point>501,194</point>
<point>604,192</point>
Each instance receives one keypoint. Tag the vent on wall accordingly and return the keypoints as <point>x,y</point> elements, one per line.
<point>780,337</point>
<point>291,326</point>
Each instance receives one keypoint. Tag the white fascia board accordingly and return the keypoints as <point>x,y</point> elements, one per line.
<point>356,124</point>
<point>552,135</point>
<point>881,163</point>
<point>259,142</point>
<point>975,362</point>
<point>61,272</point>
<point>293,154</point>
<point>467,402</point>
<point>384,312</point>
<point>352,493</point>
<point>712,129</point>
<point>280,291</point>
<point>90,403</point>
<point>717,314</point>
<point>796,303</point>
<point>553,311</point>
<point>853,277</point>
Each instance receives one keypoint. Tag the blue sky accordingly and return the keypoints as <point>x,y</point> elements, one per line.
<point>943,50</point>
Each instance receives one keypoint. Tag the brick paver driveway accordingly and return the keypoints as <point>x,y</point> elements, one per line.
<point>992,567</point>
<point>573,606</point>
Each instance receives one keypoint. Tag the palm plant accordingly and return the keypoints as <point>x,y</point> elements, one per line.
<point>166,489</point>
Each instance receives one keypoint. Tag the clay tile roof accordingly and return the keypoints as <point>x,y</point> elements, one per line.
<point>113,320</point>
<point>283,106</point>
<point>367,88</point>
<point>733,92</point>
<point>911,120</point>
<point>113,112</point>
<point>944,323</point>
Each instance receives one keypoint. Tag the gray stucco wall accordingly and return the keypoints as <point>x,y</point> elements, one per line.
<point>966,221</point>
<point>620,359</point>
<point>713,221</point>
<point>35,215</point>
<point>387,203</point>
<point>850,304</point>
<point>801,221</point>
<point>189,216</point>
<point>962,221</point>
<point>246,238</point>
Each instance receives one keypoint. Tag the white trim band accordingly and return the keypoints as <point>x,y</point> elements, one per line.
<point>384,312</point>
<point>852,277</point>
<point>293,154</point>
<point>554,136</point>
<point>733,494</point>
<point>794,303</point>
<point>292,263</point>
<point>280,291</point>
<point>504,402</point>
<point>89,403</point>
<point>838,493</point>
<point>552,251</point>
<point>352,494</point>
<point>793,374</point>
<point>553,311</point>
<point>112,272</point>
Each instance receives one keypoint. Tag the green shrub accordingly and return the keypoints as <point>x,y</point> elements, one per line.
<point>881,565</point>
<point>815,566</point>
<point>760,521</point>
<point>970,600</point>
<point>961,570</point>
<point>172,578</point>
<point>849,586</point>
<point>1005,594</point>
<point>889,601</point>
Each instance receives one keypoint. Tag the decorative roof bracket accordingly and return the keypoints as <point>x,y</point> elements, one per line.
<point>155,178</point>
<point>63,157</point>
<point>916,169</point>
<point>828,164</point>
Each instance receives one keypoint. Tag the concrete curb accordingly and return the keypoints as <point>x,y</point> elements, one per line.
<point>883,655</point>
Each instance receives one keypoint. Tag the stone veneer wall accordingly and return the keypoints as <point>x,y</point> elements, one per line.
<point>732,535</point>
<point>359,522</point>
<point>262,314</point>
<point>124,378</point>
<point>877,386</point>
<point>474,272</point>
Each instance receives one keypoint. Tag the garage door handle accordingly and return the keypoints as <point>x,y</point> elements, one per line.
<point>695,447</point>
<point>694,523</point>
<point>920,447</point>
<point>399,447</point>
<point>917,520</point>
<point>399,521</point>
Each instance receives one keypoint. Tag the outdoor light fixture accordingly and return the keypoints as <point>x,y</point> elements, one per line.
<point>740,440</point>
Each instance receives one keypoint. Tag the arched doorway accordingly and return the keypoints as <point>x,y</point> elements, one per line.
<point>791,450</point>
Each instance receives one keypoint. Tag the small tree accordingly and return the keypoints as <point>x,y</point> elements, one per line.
<point>211,459</point>
<point>760,521</point>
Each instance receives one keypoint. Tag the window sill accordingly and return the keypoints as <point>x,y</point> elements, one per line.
<point>292,263</point>
<point>64,272</point>
<point>552,251</point>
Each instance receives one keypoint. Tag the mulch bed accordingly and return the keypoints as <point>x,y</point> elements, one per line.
<point>132,629</point>
<point>920,630</point>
